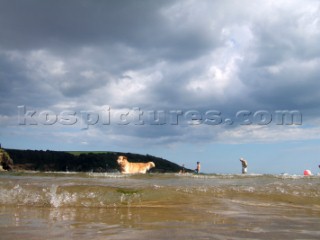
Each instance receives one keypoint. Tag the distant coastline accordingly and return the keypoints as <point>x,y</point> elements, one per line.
<point>83,161</point>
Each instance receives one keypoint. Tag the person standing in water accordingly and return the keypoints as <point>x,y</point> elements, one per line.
<point>198,167</point>
<point>244,165</point>
<point>183,170</point>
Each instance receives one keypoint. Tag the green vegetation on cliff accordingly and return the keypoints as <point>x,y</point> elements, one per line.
<point>39,160</point>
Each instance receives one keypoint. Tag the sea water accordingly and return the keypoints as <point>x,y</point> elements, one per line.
<point>36,205</point>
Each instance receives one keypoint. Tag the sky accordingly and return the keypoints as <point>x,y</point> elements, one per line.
<point>188,81</point>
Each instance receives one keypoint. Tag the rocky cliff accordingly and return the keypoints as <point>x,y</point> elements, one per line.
<point>6,162</point>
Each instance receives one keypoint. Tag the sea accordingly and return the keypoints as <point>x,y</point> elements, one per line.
<point>82,206</point>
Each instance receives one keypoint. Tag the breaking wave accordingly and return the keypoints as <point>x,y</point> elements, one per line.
<point>159,190</point>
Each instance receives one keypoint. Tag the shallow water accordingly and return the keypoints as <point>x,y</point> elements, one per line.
<point>158,206</point>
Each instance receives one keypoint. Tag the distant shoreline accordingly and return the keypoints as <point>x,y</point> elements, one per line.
<point>83,161</point>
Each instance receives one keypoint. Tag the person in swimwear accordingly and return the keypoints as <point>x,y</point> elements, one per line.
<point>198,167</point>
<point>244,165</point>
<point>183,170</point>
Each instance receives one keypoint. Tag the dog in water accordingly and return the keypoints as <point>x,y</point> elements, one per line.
<point>130,167</point>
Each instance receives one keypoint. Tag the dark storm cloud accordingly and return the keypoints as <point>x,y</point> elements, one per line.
<point>65,25</point>
<point>107,37</point>
<point>18,87</point>
<point>37,24</point>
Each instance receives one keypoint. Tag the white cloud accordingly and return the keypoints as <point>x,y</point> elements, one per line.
<point>44,64</point>
<point>131,89</point>
<point>268,134</point>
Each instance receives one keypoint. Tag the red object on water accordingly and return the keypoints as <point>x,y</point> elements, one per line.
<point>307,173</point>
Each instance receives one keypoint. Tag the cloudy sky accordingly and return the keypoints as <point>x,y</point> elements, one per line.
<point>187,80</point>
